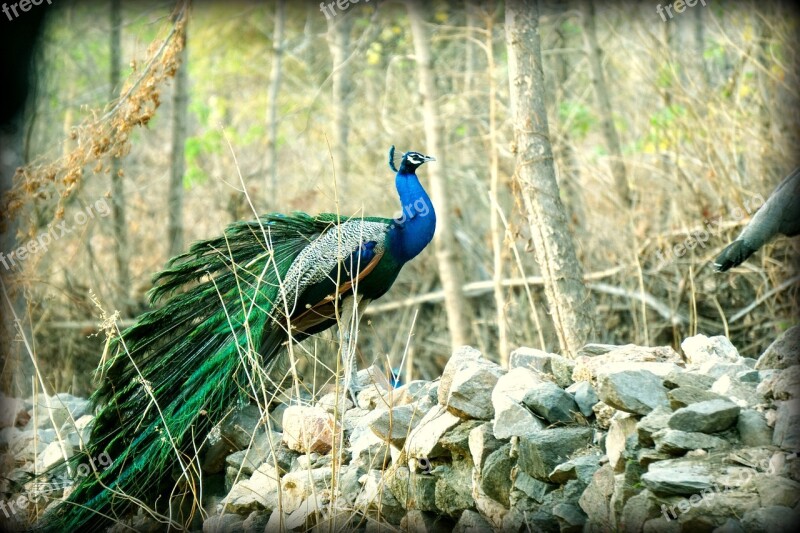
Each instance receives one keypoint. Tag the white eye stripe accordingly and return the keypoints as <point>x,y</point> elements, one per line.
<point>414,161</point>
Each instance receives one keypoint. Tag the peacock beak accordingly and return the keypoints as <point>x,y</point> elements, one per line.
<point>429,158</point>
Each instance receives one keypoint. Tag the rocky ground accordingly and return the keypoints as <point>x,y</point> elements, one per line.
<point>623,438</point>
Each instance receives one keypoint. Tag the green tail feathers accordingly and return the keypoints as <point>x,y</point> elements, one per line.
<point>181,368</point>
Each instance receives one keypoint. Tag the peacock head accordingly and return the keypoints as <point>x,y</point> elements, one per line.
<point>409,161</point>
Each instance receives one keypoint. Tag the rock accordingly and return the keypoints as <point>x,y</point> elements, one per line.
<point>297,487</point>
<point>482,443</point>
<point>532,487</point>
<point>694,380</point>
<point>603,414</point>
<point>52,455</point>
<point>454,488</point>
<point>570,517</point>
<point>550,402</point>
<point>776,490</point>
<point>749,376</point>
<point>243,462</point>
<point>581,468</point>
<point>786,433</point>
<point>623,425</point>
<point>595,500</point>
<point>541,452</point>
<point>413,490</point>
<point>260,492</point>
<point>701,349</point>
<point>414,391</point>
<point>308,429</point>
<point>562,370</point>
<point>637,510</point>
<point>585,396</point>
<point>774,519</point>
<point>12,412</point>
<point>531,359</point>
<point>730,526</point>
<point>676,442</point>
<point>467,383</point>
<point>495,479</point>
<point>226,523</point>
<point>307,513</point>
<point>423,440</point>
<point>511,418</point>
<point>678,476</point>
<point>633,391</point>
<point>330,403</point>
<point>255,522</point>
<point>683,396</point>
<point>743,394</point>
<point>648,456</point>
<point>423,522</point>
<point>62,407</point>
<point>717,370</point>
<point>393,425</point>
<point>753,429</point>
<point>783,352</point>
<point>784,385</point>
<point>711,416</point>
<point>659,360</point>
<point>469,522</point>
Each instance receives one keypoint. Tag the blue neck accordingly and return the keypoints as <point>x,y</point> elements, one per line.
<point>413,228</point>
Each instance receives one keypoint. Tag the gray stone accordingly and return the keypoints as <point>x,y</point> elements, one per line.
<point>467,383</point>
<point>255,522</point>
<point>786,433</point>
<point>701,349</point>
<point>584,395</point>
<point>776,490</point>
<point>531,359</point>
<point>470,522</point>
<point>656,420</point>
<point>730,526</point>
<point>784,385</point>
<point>456,439</point>
<point>581,468</point>
<point>743,394</point>
<point>541,452</point>
<point>749,376</point>
<point>481,443</point>
<point>711,416</point>
<point>495,478</point>
<point>678,476</point>
<point>511,418</point>
<point>413,490</point>
<point>753,429</point>
<point>454,488</point>
<point>259,492</point>
<point>596,500</point>
<point>717,370</point>
<point>562,370</point>
<point>570,517</point>
<point>683,396</point>
<point>783,352</point>
<point>532,487</point>
<point>622,427</point>
<point>424,439</point>
<point>676,442</point>
<point>678,379</point>
<point>394,424</point>
<point>637,510</point>
<point>632,391</point>
<point>58,409</point>
<point>774,519</point>
<point>550,402</point>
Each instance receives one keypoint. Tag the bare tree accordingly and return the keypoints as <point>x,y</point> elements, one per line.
<point>455,304</point>
<point>272,100</point>
<point>605,110</point>
<point>339,44</point>
<point>178,166</point>
<point>569,302</point>
<point>117,185</point>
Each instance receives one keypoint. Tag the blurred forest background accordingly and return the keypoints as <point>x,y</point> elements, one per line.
<point>667,133</point>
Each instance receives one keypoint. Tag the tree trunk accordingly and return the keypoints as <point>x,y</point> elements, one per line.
<point>595,55</point>
<point>449,272</point>
<point>179,115</point>
<point>120,227</point>
<point>569,302</point>
<point>272,102</point>
<point>339,44</point>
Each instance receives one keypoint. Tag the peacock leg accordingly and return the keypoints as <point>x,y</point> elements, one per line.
<point>348,329</point>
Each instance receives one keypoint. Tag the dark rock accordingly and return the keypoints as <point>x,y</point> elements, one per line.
<point>711,416</point>
<point>454,488</point>
<point>595,500</point>
<point>774,519</point>
<point>786,433</point>
<point>683,396</point>
<point>470,522</point>
<point>496,475</point>
<point>783,352</point>
<point>551,402</point>
<point>657,420</point>
<point>541,452</point>
<point>570,517</point>
<point>753,429</point>
<point>581,468</point>
<point>633,391</point>
<point>677,442</point>
<point>678,476</point>
<point>585,396</point>
<point>694,380</point>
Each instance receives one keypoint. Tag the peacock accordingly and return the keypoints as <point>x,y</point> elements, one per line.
<point>780,214</point>
<point>176,373</point>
